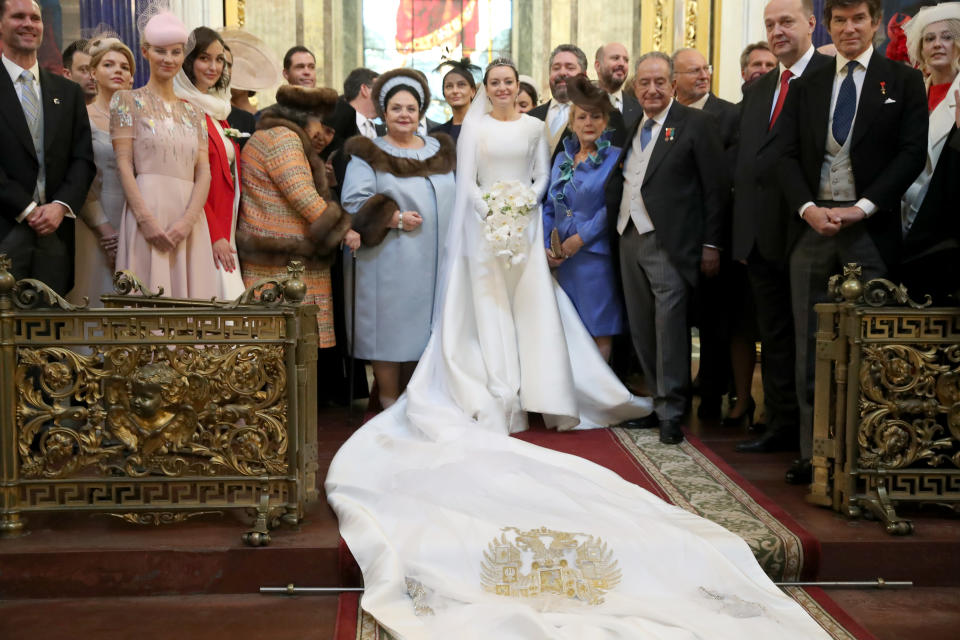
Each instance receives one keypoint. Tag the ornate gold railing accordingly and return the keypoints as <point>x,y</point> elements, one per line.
<point>155,409</point>
<point>887,403</point>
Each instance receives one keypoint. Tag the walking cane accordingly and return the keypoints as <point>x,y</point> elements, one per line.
<point>353,332</point>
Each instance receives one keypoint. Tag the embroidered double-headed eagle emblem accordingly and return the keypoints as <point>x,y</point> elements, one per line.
<point>572,565</point>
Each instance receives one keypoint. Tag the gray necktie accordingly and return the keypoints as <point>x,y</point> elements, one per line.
<point>31,110</point>
<point>31,107</point>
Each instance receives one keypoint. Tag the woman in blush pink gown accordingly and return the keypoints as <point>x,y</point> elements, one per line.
<point>161,148</point>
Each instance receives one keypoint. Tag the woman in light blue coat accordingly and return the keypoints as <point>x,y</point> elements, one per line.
<point>399,189</point>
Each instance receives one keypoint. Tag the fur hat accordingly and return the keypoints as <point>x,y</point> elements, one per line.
<point>403,76</point>
<point>927,16</point>
<point>319,101</point>
<point>587,95</point>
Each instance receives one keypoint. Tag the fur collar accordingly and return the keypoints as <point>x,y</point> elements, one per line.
<point>443,161</point>
<point>317,166</point>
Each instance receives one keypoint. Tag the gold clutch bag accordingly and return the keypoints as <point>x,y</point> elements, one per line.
<point>555,244</point>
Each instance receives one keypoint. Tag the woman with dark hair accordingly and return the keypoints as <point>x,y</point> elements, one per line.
<point>459,87</point>
<point>575,215</point>
<point>527,95</point>
<point>204,83</point>
<point>399,189</point>
<point>286,211</point>
<point>161,148</point>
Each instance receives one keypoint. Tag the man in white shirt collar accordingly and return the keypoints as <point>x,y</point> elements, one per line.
<point>666,204</point>
<point>854,139</point>
<point>612,64</point>
<point>38,187</point>
<point>566,61</point>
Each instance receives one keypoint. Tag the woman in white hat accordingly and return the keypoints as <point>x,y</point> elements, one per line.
<point>930,225</point>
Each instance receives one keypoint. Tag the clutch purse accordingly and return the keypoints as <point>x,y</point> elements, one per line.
<point>555,244</point>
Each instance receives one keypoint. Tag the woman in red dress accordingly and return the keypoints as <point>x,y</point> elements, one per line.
<point>203,83</point>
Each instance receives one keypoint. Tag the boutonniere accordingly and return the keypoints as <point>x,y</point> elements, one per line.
<point>669,134</point>
<point>883,87</point>
<point>236,134</point>
<point>56,101</point>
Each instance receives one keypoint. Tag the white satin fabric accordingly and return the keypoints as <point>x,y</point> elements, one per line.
<point>423,488</point>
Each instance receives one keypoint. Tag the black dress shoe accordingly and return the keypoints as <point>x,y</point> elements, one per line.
<point>646,422</point>
<point>800,472</point>
<point>670,432</point>
<point>770,442</point>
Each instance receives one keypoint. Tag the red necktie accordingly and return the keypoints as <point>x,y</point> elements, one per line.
<point>784,87</point>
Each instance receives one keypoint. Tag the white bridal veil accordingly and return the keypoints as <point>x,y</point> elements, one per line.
<point>464,532</point>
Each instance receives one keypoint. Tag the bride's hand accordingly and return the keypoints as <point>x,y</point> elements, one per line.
<point>411,220</point>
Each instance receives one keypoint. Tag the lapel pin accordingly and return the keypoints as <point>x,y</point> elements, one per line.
<point>56,101</point>
<point>883,87</point>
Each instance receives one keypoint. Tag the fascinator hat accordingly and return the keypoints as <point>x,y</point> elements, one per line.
<point>925,17</point>
<point>165,29</point>
<point>587,95</point>
<point>463,68</point>
<point>255,66</point>
<point>405,78</point>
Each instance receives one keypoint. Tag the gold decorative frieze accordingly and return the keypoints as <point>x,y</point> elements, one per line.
<point>887,404</point>
<point>140,411</point>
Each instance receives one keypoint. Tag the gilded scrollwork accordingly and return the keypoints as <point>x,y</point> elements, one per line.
<point>139,411</point>
<point>33,294</point>
<point>690,24</point>
<point>909,406</point>
<point>126,282</point>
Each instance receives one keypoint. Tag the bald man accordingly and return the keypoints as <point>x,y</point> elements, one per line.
<point>612,64</point>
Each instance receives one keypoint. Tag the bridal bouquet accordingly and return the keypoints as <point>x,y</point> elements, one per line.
<point>506,208</point>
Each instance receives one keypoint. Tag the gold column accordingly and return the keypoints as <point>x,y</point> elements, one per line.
<point>656,26</point>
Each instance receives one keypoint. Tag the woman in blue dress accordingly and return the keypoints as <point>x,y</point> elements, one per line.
<point>575,215</point>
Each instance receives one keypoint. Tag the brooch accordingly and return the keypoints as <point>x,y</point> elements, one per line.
<point>669,133</point>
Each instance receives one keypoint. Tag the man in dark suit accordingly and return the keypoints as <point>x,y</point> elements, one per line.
<point>665,203</point>
<point>612,64</point>
<point>855,137</point>
<point>566,61</point>
<point>761,218</point>
<point>719,295</point>
<point>47,164</point>
<point>354,114</point>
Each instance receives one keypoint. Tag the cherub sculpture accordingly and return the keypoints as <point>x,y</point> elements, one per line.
<point>148,413</point>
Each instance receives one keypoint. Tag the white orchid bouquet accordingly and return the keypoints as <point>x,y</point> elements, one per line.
<point>506,210</point>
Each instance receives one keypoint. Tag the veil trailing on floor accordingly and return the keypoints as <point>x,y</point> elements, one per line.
<point>464,532</point>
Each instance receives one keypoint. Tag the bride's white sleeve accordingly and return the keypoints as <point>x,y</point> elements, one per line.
<point>541,164</point>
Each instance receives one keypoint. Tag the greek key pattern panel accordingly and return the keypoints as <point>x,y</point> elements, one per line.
<point>152,410</point>
<point>168,327</point>
<point>128,494</point>
<point>932,327</point>
<point>907,486</point>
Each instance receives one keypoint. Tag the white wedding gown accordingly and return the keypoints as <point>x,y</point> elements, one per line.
<point>463,532</point>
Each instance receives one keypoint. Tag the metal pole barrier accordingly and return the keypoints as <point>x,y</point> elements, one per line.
<point>879,583</point>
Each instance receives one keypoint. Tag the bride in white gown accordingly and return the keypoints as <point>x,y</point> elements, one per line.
<point>463,532</point>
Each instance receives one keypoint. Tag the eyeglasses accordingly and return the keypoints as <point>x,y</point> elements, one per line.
<point>697,71</point>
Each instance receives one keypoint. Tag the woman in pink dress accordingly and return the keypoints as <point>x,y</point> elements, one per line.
<point>161,148</point>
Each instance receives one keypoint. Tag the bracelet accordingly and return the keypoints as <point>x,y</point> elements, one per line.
<point>400,222</point>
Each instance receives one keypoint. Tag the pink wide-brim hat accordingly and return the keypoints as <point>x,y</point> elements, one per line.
<point>165,29</point>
